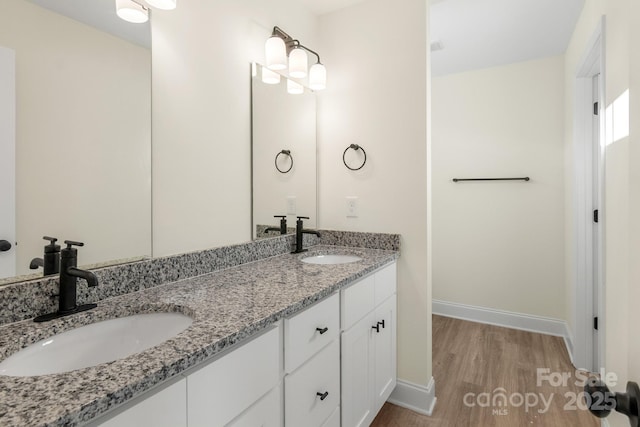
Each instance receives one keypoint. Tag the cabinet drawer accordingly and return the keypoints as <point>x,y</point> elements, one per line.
<point>357,300</point>
<point>222,390</point>
<point>264,413</point>
<point>321,374</point>
<point>385,283</point>
<point>309,331</point>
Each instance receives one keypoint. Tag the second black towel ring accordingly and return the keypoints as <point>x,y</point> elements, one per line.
<point>286,153</point>
<point>355,147</point>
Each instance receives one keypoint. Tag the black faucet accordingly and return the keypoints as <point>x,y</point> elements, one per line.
<point>299,232</point>
<point>69,274</point>
<point>283,225</point>
<point>51,261</point>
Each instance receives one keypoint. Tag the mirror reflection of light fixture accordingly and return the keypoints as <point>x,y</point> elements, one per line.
<point>294,88</point>
<point>162,4</point>
<point>269,77</point>
<point>280,44</point>
<point>132,11</point>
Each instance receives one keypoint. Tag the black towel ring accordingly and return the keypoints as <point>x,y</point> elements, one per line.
<point>286,153</point>
<point>354,147</point>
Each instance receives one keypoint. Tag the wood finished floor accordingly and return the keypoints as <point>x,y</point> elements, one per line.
<point>476,358</point>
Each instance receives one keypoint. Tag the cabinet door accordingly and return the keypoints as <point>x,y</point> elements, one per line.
<point>226,387</point>
<point>267,412</point>
<point>384,343</point>
<point>166,408</point>
<point>357,373</point>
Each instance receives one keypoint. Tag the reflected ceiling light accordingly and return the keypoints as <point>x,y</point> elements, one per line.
<point>294,88</point>
<point>131,11</point>
<point>162,4</point>
<point>280,44</point>
<point>269,77</point>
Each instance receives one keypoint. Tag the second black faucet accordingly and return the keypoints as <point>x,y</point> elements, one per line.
<point>300,231</point>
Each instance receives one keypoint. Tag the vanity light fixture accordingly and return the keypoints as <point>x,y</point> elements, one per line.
<point>132,11</point>
<point>163,4</point>
<point>281,44</point>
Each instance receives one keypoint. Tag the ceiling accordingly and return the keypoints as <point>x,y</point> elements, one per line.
<point>100,14</point>
<point>475,34</point>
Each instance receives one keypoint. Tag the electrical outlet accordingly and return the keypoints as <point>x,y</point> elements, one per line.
<point>291,205</point>
<point>352,207</point>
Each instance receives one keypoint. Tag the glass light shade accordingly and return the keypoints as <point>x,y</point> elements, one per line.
<point>298,63</point>
<point>163,4</point>
<point>269,77</point>
<point>131,11</point>
<point>275,53</point>
<point>318,77</point>
<point>294,88</point>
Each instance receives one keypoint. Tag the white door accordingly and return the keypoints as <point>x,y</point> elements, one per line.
<point>385,351</point>
<point>7,163</point>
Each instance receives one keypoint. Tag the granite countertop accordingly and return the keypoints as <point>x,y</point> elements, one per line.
<point>227,306</point>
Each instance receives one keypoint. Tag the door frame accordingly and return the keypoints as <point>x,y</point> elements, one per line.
<point>587,286</point>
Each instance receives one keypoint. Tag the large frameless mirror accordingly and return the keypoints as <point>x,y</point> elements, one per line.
<point>82,170</point>
<point>283,152</point>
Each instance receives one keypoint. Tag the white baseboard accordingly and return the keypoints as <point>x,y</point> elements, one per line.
<point>507,319</point>
<point>415,397</point>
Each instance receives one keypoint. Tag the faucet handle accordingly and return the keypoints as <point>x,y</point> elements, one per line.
<point>51,248</point>
<point>279,216</point>
<point>70,243</point>
<point>303,217</point>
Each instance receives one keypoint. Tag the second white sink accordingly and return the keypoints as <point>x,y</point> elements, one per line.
<point>94,344</point>
<point>331,259</point>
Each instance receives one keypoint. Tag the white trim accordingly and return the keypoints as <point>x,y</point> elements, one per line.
<point>507,319</point>
<point>584,283</point>
<point>417,398</point>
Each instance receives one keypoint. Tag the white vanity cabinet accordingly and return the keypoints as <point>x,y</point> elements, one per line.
<point>312,365</point>
<point>222,390</point>
<point>164,408</point>
<point>330,365</point>
<point>368,346</point>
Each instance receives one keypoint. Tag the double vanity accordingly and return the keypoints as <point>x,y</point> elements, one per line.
<point>278,339</point>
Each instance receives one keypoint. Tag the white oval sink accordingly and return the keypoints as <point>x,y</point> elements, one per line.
<point>330,259</point>
<point>94,344</point>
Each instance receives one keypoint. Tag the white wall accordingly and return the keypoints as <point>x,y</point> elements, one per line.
<point>83,136</point>
<point>375,53</point>
<point>499,245</point>
<point>201,116</point>
<point>282,121</point>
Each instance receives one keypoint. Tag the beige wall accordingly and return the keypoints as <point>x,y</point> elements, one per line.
<point>83,136</point>
<point>201,116</point>
<point>376,97</point>
<point>500,244</point>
